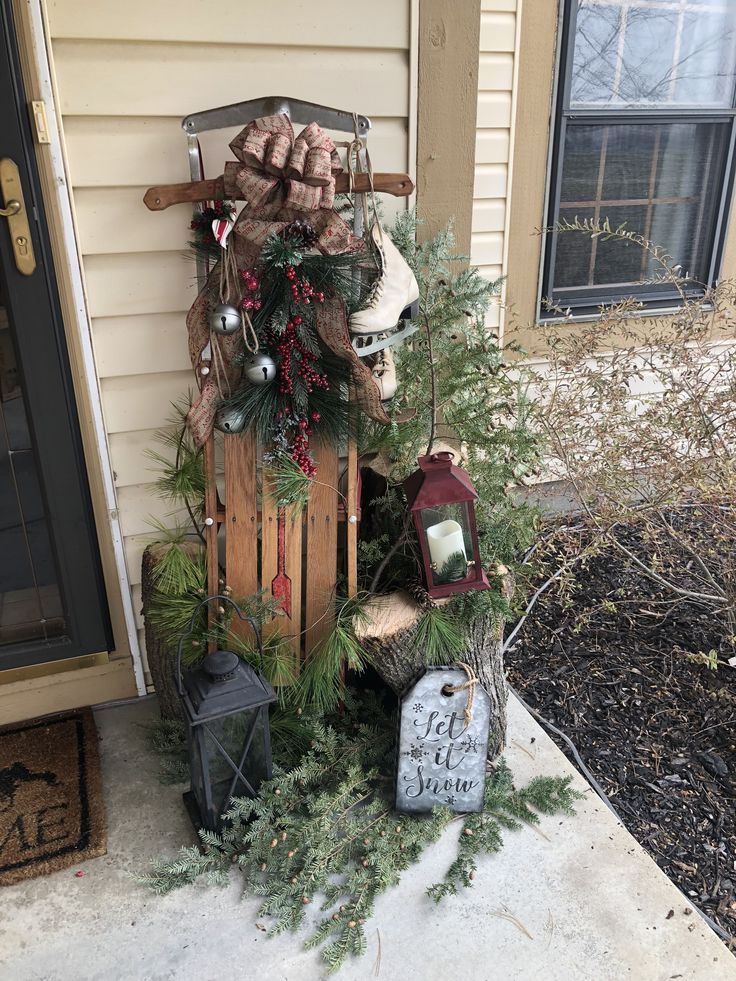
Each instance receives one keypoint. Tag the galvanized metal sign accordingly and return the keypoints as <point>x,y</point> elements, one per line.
<point>442,757</point>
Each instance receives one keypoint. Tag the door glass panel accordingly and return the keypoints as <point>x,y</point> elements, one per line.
<point>30,601</point>
<point>654,53</point>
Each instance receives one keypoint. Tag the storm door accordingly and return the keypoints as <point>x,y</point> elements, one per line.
<point>52,603</point>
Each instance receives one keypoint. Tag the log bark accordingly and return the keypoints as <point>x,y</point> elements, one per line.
<point>159,654</point>
<point>387,635</point>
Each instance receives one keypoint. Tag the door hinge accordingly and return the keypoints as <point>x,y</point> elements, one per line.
<point>38,111</point>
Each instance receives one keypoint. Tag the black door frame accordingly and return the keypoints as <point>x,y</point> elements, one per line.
<point>34,312</point>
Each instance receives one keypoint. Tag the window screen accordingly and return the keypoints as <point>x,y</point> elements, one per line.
<point>643,138</point>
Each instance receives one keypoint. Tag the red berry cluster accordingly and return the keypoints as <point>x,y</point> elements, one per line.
<point>300,452</point>
<point>290,348</point>
<point>252,286</point>
<point>301,289</point>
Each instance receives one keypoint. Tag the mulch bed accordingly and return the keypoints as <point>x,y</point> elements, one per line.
<point>612,666</point>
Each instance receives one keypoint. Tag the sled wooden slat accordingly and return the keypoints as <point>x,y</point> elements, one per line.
<point>210,530</point>
<point>281,566</point>
<point>241,520</point>
<point>351,507</point>
<point>321,559</point>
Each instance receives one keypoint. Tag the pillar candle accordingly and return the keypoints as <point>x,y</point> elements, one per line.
<point>445,539</point>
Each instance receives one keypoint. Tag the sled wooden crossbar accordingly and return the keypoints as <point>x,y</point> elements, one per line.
<point>291,555</point>
<point>160,198</point>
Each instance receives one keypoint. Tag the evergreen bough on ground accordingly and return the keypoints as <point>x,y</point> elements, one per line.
<point>325,834</point>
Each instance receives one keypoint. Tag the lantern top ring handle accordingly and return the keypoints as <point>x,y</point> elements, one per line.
<point>241,616</point>
<point>444,455</point>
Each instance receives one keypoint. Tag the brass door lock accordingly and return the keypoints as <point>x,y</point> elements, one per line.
<point>15,211</point>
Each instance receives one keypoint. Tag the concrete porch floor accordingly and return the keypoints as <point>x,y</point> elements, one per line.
<point>587,901</point>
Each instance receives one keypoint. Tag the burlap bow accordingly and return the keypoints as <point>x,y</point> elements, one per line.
<point>281,179</point>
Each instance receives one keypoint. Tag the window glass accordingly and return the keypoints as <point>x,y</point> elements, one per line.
<point>644,139</point>
<point>661,181</point>
<point>644,53</point>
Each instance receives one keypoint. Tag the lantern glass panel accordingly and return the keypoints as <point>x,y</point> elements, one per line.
<point>197,769</point>
<point>232,733</point>
<point>449,541</point>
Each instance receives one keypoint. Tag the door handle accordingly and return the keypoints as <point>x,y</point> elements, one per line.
<point>14,211</point>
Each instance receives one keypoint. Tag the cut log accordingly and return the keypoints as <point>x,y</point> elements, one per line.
<point>159,653</point>
<point>387,635</point>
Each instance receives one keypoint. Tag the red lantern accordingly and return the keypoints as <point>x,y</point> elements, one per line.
<point>442,501</point>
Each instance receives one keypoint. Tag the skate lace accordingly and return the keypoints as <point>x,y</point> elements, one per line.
<point>376,291</point>
<point>380,367</point>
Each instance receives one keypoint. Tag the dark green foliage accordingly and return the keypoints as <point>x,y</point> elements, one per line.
<point>505,809</point>
<point>174,601</point>
<point>258,405</point>
<point>309,395</point>
<point>453,569</point>
<point>204,245</point>
<point>167,738</point>
<point>482,404</point>
<point>321,685</point>
<point>347,275</point>
<point>325,832</point>
<point>438,636</point>
<point>467,607</point>
<point>286,482</point>
<point>176,571</point>
<point>180,462</point>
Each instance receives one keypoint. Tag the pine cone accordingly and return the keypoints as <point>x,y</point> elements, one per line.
<point>417,591</point>
<point>301,232</point>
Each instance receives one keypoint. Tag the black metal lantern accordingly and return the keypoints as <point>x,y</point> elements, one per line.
<point>442,501</point>
<point>226,710</point>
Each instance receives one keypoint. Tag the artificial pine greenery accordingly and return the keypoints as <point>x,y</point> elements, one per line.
<point>438,636</point>
<point>286,482</point>
<point>323,834</point>
<point>321,685</point>
<point>179,464</point>
<point>258,406</point>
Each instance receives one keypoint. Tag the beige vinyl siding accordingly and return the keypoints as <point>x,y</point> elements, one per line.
<point>126,73</point>
<point>493,139</point>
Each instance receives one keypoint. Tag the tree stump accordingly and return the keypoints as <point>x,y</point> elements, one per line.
<point>387,634</point>
<point>159,653</point>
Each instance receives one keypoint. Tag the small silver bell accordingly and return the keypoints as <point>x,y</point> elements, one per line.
<point>225,319</point>
<point>260,369</point>
<point>229,419</point>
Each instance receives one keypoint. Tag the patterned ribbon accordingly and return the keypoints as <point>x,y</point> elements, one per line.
<point>281,178</point>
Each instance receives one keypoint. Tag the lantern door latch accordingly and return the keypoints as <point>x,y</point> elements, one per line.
<point>14,210</point>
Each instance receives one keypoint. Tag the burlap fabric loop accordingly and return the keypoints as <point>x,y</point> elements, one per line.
<point>469,686</point>
<point>282,178</point>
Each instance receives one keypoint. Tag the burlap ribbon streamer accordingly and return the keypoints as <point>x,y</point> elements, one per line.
<point>282,178</point>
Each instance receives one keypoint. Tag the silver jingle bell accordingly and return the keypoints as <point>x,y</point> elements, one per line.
<point>260,369</point>
<point>225,319</point>
<point>229,419</point>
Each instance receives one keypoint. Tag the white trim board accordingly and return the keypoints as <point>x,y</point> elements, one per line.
<point>61,200</point>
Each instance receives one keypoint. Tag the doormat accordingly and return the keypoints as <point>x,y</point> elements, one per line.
<point>51,810</point>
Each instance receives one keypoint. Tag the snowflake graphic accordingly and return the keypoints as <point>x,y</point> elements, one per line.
<point>470,744</point>
<point>417,707</point>
<point>416,753</point>
<point>450,799</point>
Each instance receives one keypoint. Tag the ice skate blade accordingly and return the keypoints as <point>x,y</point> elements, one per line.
<point>365,344</point>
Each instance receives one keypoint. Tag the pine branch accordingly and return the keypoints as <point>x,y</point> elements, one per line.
<point>326,828</point>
